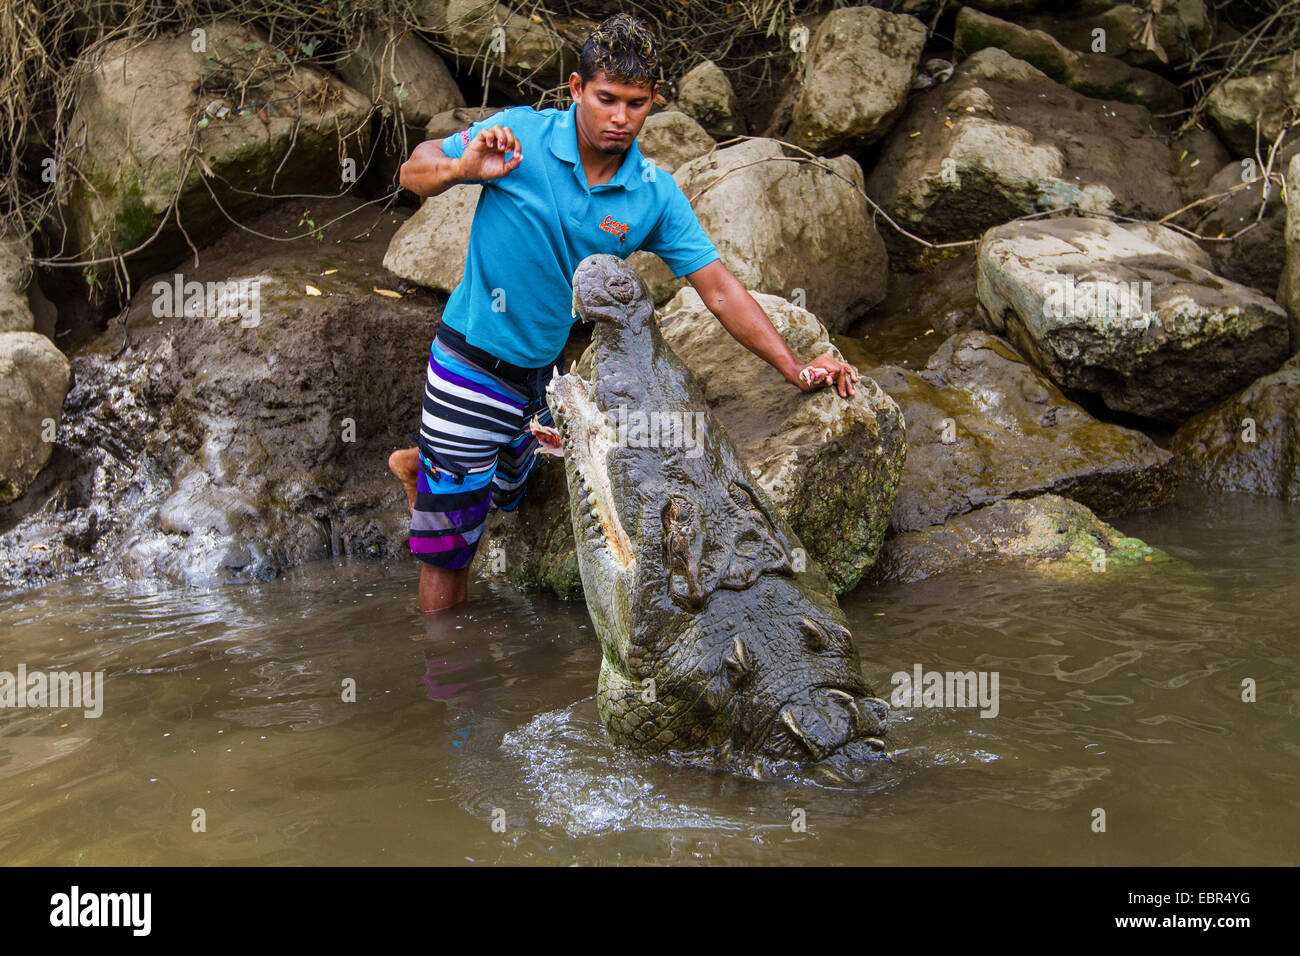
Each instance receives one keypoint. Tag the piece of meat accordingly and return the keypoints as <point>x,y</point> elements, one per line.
<point>813,373</point>
<point>548,439</point>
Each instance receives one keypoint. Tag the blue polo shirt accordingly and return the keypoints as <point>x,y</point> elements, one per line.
<point>534,225</point>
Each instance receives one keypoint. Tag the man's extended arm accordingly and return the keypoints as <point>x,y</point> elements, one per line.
<point>745,319</point>
<point>429,171</point>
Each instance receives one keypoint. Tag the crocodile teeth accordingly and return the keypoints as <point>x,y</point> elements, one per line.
<point>737,663</point>
<point>875,743</point>
<point>858,719</point>
<point>849,701</point>
<point>788,719</point>
<point>741,659</point>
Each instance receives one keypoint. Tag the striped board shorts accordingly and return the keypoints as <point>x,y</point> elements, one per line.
<point>476,450</point>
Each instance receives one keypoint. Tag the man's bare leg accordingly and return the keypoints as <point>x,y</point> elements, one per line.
<point>441,588</point>
<point>405,464</point>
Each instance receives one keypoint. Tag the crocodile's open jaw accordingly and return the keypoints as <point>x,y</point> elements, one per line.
<point>587,439</point>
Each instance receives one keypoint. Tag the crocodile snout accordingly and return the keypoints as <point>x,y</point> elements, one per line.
<point>606,288</point>
<point>828,720</point>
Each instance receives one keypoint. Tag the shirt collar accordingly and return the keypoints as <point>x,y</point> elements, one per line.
<point>564,144</point>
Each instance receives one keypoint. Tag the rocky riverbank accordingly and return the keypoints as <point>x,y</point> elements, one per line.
<point>1062,304</point>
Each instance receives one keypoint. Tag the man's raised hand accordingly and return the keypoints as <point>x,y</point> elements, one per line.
<point>485,157</point>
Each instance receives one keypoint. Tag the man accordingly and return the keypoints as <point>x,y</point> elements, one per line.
<point>558,186</point>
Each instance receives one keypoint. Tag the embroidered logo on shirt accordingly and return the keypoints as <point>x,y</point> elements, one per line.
<point>617,228</point>
<point>464,137</point>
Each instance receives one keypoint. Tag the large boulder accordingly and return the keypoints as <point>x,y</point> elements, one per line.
<point>1001,140</point>
<point>861,64</point>
<point>1250,112</point>
<point>1146,33</point>
<point>670,138</point>
<point>705,93</point>
<point>1288,292</point>
<point>261,126</point>
<point>1046,534</point>
<point>1255,257</point>
<point>408,82</point>
<point>831,465</point>
<point>401,74</point>
<point>1198,157</point>
<point>517,54</point>
<point>983,425</point>
<point>1092,74</point>
<point>430,247</point>
<point>782,223</point>
<point>231,437</point>
<point>430,15</point>
<point>1251,441</point>
<point>1130,314</point>
<point>15,277</point>
<point>34,379</point>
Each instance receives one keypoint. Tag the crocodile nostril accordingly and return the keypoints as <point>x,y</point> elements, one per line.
<point>622,288</point>
<point>846,715</point>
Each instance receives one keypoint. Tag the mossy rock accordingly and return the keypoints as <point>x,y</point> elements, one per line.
<point>1047,534</point>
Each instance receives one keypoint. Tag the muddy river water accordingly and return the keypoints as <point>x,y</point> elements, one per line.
<point>226,737</point>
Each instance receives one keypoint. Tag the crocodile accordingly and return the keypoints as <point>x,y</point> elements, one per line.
<point>719,635</point>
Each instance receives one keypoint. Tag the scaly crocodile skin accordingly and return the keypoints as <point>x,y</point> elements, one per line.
<point>716,630</point>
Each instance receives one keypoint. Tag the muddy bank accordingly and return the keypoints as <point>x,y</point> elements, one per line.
<point>199,449</point>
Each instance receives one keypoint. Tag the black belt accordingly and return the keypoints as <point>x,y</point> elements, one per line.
<point>520,375</point>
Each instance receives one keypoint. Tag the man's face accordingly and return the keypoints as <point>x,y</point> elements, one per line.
<point>610,113</point>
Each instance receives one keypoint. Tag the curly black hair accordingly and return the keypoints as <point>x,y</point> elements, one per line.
<point>624,49</point>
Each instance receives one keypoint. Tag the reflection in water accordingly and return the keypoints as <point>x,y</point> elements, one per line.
<point>1121,693</point>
